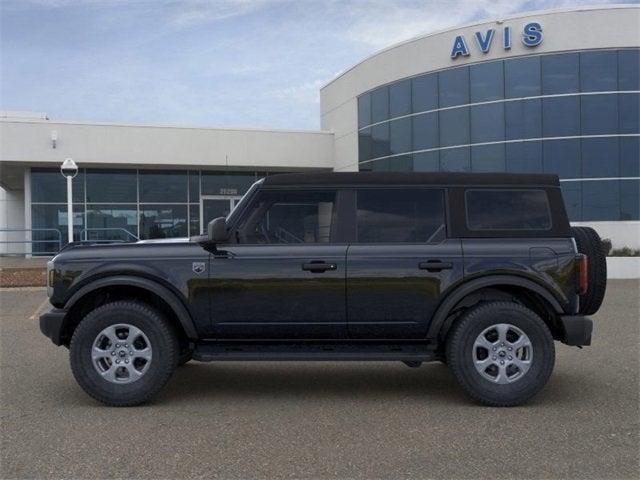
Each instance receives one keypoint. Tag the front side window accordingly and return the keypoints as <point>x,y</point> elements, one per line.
<point>400,215</point>
<point>507,210</point>
<point>290,217</point>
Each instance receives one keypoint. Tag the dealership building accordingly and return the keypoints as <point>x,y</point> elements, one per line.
<point>555,91</point>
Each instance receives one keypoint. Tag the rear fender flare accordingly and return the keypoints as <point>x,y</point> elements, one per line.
<point>164,293</point>
<point>447,305</point>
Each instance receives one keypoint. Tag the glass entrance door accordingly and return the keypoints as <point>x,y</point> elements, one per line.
<point>214,206</point>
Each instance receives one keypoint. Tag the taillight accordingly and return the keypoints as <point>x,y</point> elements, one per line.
<point>583,271</point>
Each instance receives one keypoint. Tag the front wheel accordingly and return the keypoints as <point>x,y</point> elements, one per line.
<point>123,353</point>
<point>501,353</point>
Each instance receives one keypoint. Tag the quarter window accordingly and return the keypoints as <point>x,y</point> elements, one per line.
<point>507,210</point>
<point>400,215</point>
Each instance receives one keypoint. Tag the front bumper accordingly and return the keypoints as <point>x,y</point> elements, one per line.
<point>52,324</point>
<point>576,330</point>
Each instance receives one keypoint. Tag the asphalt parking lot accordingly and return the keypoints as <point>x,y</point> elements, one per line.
<point>322,420</point>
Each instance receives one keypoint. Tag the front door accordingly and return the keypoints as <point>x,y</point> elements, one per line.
<point>214,206</point>
<point>400,264</point>
<point>285,276</point>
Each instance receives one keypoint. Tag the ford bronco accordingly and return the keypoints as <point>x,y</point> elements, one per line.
<point>480,271</point>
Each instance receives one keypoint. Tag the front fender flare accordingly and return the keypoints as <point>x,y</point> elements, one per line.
<point>163,292</point>
<point>445,308</point>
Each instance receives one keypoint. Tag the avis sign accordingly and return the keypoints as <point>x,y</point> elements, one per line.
<point>531,37</point>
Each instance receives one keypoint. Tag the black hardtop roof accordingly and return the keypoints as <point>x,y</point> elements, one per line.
<point>391,178</point>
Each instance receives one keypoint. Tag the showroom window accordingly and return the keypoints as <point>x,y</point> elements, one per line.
<point>522,77</point>
<point>560,73</point>
<point>424,93</point>
<point>454,87</point>
<point>400,99</point>
<point>487,81</point>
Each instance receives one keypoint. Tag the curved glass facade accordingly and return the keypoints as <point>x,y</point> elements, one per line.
<point>573,114</point>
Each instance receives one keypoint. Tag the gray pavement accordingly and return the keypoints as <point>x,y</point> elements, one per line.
<point>321,420</point>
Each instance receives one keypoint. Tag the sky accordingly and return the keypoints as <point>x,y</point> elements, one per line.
<point>217,63</point>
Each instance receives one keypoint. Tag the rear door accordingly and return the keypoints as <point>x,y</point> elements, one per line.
<point>400,263</point>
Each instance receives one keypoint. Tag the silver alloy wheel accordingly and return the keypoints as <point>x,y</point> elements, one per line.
<point>502,353</point>
<point>121,353</point>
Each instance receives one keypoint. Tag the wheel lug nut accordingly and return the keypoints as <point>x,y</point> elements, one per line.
<point>510,357</point>
<point>126,360</point>
<point>494,357</point>
<point>501,362</point>
<point>113,353</point>
<point>126,345</point>
<point>510,348</point>
<point>117,361</point>
<point>494,349</point>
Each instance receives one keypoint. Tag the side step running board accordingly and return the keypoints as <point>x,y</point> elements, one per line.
<point>403,352</point>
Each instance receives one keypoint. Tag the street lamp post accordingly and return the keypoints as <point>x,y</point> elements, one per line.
<point>69,169</point>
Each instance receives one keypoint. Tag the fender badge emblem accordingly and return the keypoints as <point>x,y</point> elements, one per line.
<point>198,267</point>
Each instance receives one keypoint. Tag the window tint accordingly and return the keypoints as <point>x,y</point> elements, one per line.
<point>364,110</point>
<point>560,73</point>
<point>290,217</point>
<point>400,215</point>
<point>112,222</point>
<point>400,135</point>
<point>487,82</point>
<point>380,140</point>
<point>400,98</point>
<point>524,157</point>
<point>425,131</point>
<point>599,114</point>
<point>598,71</point>
<point>454,127</point>
<point>380,105</point>
<point>365,145</point>
<point>629,69</point>
<point>424,94</point>
<point>507,210</point>
<point>522,77</point>
<point>488,158</point>
<point>487,123</point>
<point>163,187</point>
<point>112,186</point>
<point>426,161</point>
<point>454,87</point>
<point>49,186</point>
<point>523,119</point>
<point>561,116</point>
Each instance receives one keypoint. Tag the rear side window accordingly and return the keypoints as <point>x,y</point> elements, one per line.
<point>507,210</point>
<point>400,215</point>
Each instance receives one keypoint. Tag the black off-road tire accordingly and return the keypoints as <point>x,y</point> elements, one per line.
<point>589,243</point>
<point>163,342</point>
<point>460,353</point>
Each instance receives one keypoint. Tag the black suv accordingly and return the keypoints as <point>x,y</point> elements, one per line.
<point>480,271</point>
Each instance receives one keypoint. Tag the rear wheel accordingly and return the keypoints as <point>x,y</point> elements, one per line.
<point>589,243</point>
<point>501,353</point>
<point>123,353</point>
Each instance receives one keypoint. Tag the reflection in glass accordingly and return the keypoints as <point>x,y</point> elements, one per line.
<point>522,77</point>
<point>163,187</point>
<point>426,162</point>
<point>629,69</point>
<point>601,200</point>
<point>454,87</point>
<point>487,123</point>
<point>600,157</point>
<point>108,186</point>
<point>163,221</point>
<point>231,183</point>
<point>524,157</point>
<point>487,81</point>
<point>454,127</point>
<point>400,98</point>
<point>561,116</point>
<point>400,135</point>
<point>425,131</point>
<point>48,185</point>
<point>364,110</point>
<point>629,112</point>
<point>111,222</point>
<point>629,199</point>
<point>487,158</point>
<point>523,119</point>
<point>380,140</point>
<point>599,114</point>
<point>54,217</point>
<point>380,104</point>
<point>365,145</point>
<point>455,160</point>
<point>562,157</point>
<point>424,92</point>
<point>560,73</point>
<point>599,71</point>
<point>572,195</point>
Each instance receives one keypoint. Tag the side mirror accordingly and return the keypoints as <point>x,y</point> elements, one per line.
<point>217,230</point>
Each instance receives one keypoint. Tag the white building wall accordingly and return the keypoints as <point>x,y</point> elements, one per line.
<point>11,217</point>
<point>29,141</point>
